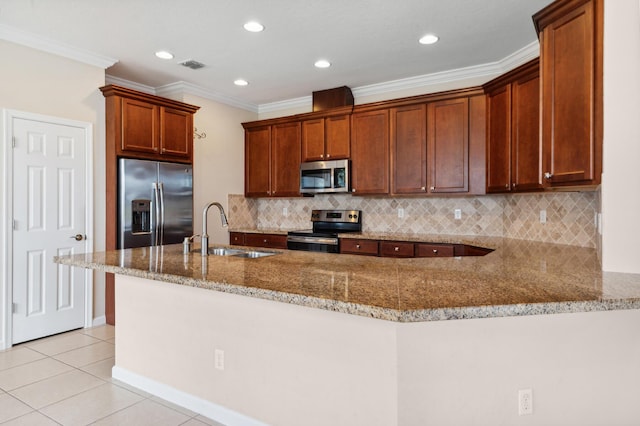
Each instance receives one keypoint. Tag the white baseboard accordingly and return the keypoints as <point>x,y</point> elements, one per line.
<point>99,321</point>
<point>201,406</point>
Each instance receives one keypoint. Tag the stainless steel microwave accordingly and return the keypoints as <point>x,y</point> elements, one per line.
<point>321,177</point>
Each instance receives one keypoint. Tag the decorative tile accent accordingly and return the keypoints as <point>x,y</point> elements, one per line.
<point>570,215</point>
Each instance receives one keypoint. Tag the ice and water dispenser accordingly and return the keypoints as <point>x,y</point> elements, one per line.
<point>141,217</point>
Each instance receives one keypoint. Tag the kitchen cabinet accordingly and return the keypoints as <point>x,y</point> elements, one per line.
<point>396,249</point>
<point>272,160</point>
<point>359,246</point>
<point>251,239</point>
<point>370,152</point>
<point>513,146</point>
<point>570,33</point>
<point>326,138</point>
<point>409,149</point>
<point>434,250</point>
<point>148,127</point>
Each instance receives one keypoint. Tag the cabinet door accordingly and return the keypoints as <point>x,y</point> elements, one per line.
<point>285,160</point>
<point>409,150</point>
<point>370,152</point>
<point>526,158</point>
<point>257,166</point>
<point>176,133</point>
<point>364,247</point>
<point>266,240</point>
<point>139,126</point>
<point>313,140</point>
<point>567,59</point>
<point>448,145</point>
<point>337,137</point>
<point>396,249</point>
<point>499,143</point>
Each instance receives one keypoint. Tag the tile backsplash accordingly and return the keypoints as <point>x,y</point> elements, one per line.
<point>570,215</point>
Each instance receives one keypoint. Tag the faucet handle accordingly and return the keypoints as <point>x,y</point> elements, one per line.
<point>192,237</point>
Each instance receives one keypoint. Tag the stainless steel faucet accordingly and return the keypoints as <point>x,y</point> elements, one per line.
<point>204,238</point>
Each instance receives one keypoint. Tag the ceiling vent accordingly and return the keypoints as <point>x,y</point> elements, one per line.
<point>190,63</point>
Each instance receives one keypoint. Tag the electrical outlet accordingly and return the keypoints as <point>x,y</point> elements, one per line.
<point>525,402</point>
<point>400,213</point>
<point>543,216</point>
<point>218,359</point>
<point>285,211</point>
<point>457,214</point>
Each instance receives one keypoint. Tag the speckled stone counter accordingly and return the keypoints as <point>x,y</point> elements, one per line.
<point>518,278</point>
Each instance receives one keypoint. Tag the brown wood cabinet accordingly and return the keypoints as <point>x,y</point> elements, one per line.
<point>513,145</point>
<point>326,138</point>
<point>359,246</point>
<point>272,160</point>
<point>434,250</point>
<point>148,127</point>
<point>139,125</point>
<point>570,33</point>
<point>370,152</point>
<point>396,249</point>
<point>409,149</point>
<point>252,239</point>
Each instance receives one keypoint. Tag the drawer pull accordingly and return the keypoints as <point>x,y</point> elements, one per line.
<point>397,248</point>
<point>435,251</point>
<point>264,241</point>
<point>358,246</point>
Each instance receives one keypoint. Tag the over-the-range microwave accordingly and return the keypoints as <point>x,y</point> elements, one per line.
<point>321,177</point>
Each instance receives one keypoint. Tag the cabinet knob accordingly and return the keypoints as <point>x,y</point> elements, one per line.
<point>328,155</point>
<point>321,155</point>
<point>423,188</point>
<point>358,246</point>
<point>435,251</point>
<point>513,185</point>
<point>433,188</point>
<point>264,241</point>
<point>396,248</point>
<point>353,190</point>
<point>507,186</point>
<point>548,175</point>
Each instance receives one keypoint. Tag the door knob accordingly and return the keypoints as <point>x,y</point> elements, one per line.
<point>78,237</point>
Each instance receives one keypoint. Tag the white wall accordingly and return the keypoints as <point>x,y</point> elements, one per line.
<point>621,180</point>
<point>38,82</point>
<point>218,161</point>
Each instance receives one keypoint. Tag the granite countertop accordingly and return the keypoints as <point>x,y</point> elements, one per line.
<point>518,278</point>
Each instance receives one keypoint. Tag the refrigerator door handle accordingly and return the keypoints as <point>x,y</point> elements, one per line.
<point>161,219</point>
<point>156,224</point>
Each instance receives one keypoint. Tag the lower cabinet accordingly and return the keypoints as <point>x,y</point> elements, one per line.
<point>408,249</point>
<point>365,247</point>
<point>251,239</point>
<point>434,250</point>
<point>396,249</point>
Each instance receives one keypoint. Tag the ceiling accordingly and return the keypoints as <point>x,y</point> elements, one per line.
<point>367,41</point>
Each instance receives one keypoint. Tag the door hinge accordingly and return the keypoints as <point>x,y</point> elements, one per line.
<point>15,225</point>
<point>13,141</point>
<point>14,308</point>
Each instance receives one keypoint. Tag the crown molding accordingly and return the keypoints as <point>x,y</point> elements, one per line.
<point>302,102</point>
<point>57,48</point>
<point>181,88</point>
<point>109,79</point>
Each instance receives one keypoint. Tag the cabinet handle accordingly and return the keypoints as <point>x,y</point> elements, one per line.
<point>548,175</point>
<point>353,190</point>
<point>435,251</point>
<point>321,155</point>
<point>507,186</point>
<point>358,246</point>
<point>423,188</point>
<point>328,155</point>
<point>513,185</point>
<point>433,188</point>
<point>264,241</point>
<point>396,248</point>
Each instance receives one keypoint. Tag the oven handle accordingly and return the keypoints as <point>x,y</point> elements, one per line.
<point>313,240</point>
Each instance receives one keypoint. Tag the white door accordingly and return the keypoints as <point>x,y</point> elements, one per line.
<point>49,191</point>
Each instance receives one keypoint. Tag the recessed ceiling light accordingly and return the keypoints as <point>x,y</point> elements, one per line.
<point>429,39</point>
<point>322,63</point>
<point>163,54</point>
<point>254,27</point>
<point>241,82</point>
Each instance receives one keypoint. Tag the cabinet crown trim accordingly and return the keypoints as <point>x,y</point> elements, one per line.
<point>113,90</point>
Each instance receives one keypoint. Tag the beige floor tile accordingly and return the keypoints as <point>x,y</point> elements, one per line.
<point>194,422</point>
<point>91,405</point>
<point>112,341</point>
<point>102,332</point>
<point>63,343</point>
<point>17,356</point>
<point>87,354</point>
<point>173,406</point>
<point>57,388</point>
<point>101,369</point>
<point>31,419</point>
<point>146,412</point>
<point>131,388</point>
<point>208,421</point>
<point>32,372</point>
<point>10,408</point>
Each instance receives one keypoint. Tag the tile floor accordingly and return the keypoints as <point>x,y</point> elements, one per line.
<point>66,380</point>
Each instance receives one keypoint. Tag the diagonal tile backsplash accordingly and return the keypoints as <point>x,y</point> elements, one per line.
<point>570,215</point>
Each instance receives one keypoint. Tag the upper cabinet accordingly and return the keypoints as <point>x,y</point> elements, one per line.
<point>570,33</point>
<point>409,149</point>
<point>272,160</point>
<point>370,152</point>
<point>513,145</point>
<point>326,138</point>
<point>148,127</point>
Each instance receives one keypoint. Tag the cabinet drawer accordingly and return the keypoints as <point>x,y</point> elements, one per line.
<point>396,249</point>
<point>236,238</point>
<point>366,247</point>
<point>265,240</point>
<point>434,250</point>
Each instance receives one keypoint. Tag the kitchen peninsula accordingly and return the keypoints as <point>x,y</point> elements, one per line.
<point>361,340</point>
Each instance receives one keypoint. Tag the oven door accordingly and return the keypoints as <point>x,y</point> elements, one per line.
<point>319,244</point>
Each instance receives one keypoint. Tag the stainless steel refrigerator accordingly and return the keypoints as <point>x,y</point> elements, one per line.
<point>155,203</point>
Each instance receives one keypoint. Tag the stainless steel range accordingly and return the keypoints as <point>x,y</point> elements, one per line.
<point>327,224</point>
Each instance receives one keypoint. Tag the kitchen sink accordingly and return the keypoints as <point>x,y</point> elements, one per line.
<point>224,251</point>
<point>254,254</point>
